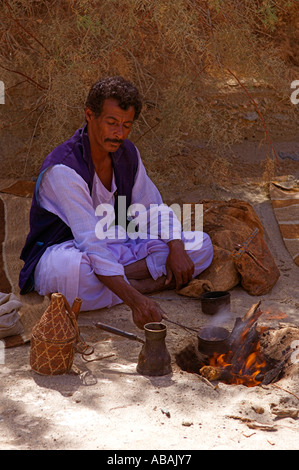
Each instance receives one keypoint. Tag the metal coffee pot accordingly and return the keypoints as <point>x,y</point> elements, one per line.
<point>154,358</point>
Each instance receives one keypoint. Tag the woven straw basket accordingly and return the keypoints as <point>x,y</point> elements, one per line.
<point>54,337</point>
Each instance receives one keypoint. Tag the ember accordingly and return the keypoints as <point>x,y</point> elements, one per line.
<point>244,362</point>
<point>250,373</point>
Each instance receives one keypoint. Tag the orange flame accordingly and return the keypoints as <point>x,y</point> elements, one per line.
<point>244,374</point>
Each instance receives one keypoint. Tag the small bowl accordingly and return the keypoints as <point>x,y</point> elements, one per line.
<point>213,339</point>
<point>215,301</point>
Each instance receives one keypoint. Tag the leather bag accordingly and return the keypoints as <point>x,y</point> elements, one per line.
<point>256,265</point>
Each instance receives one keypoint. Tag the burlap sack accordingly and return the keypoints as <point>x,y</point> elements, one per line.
<point>222,273</point>
<point>230,214</point>
<point>256,265</point>
<point>228,223</point>
<point>195,288</point>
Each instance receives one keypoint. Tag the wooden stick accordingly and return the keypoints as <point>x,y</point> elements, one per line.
<point>252,312</point>
<point>244,348</point>
<point>212,373</point>
<point>243,324</point>
<point>274,373</point>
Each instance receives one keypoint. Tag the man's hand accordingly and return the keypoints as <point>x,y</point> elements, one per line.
<point>144,309</point>
<point>178,264</point>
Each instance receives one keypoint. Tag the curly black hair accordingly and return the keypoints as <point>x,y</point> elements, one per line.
<point>114,87</point>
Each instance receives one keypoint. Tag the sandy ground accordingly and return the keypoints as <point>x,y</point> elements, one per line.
<point>107,405</point>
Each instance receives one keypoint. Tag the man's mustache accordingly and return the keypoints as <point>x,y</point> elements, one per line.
<point>115,141</point>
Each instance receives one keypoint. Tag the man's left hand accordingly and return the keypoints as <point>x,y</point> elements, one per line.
<point>178,264</point>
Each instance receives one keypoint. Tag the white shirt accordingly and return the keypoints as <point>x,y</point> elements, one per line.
<point>63,192</point>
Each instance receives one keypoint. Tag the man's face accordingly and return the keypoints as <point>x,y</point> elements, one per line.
<point>111,128</point>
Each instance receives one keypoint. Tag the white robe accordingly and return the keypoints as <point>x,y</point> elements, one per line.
<point>70,267</point>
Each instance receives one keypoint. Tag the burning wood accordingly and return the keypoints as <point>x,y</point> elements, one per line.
<point>244,363</point>
<point>218,373</point>
<point>251,355</point>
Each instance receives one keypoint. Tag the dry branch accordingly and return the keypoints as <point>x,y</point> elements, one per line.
<point>29,79</point>
<point>185,49</point>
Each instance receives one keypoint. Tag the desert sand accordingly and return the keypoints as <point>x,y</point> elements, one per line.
<point>107,405</point>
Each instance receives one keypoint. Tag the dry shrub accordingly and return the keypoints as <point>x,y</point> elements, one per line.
<point>179,53</point>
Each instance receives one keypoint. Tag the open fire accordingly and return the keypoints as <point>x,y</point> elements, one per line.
<point>242,361</point>
<point>250,373</point>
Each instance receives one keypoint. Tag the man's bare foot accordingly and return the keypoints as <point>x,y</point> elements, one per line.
<point>149,286</point>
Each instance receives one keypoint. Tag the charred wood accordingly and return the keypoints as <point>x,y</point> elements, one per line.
<point>242,325</point>
<point>274,373</point>
<point>223,374</point>
<point>247,346</point>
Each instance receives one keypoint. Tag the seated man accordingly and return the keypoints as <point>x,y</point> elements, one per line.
<point>94,168</point>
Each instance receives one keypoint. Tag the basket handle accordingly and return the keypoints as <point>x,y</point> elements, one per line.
<point>81,346</point>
